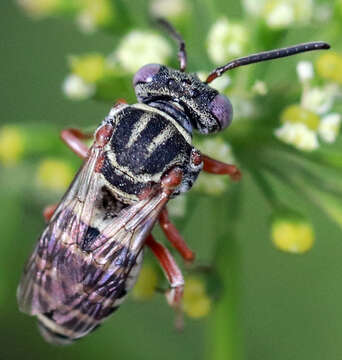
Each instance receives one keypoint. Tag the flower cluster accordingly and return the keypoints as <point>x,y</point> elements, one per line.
<point>92,74</point>
<point>196,301</point>
<point>88,14</point>
<point>279,14</point>
<point>226,39</point>
<point>12,145</point>
<point>303,123</point>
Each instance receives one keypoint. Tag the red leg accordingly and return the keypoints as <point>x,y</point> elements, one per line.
<point>174,237</point>
<point>120,101</point>
<point>48,211</point>
<point>217,167</point>
<point>72,138</point>
<point>171,270</point>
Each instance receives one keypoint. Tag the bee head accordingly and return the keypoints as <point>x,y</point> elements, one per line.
<point>207,110</point>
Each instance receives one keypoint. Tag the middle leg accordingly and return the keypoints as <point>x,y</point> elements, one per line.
<point>174,236</point>
<point>73,139</point>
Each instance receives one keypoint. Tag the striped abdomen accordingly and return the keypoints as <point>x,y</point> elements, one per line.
<point>81,314</point>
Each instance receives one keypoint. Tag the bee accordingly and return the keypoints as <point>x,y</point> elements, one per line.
<point>90,254</point>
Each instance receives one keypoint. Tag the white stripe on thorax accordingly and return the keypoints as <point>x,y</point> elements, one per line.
<point>138,127</point>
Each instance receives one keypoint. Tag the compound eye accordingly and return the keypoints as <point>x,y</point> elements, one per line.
<point>146,73</point>
<point>222,109</point>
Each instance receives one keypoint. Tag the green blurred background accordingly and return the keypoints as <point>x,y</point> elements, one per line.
<point>286,306</point>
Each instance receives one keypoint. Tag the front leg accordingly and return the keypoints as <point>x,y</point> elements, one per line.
<point>213,166</point>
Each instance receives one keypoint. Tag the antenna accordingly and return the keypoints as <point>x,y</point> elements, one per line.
<point>267,55</point>
<point>176,36</point>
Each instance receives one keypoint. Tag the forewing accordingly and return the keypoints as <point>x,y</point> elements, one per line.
<point>66,228</point>
<point>106,271</point>
<point>73,283</point>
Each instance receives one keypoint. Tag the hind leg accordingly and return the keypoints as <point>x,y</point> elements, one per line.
<point>174,276</point>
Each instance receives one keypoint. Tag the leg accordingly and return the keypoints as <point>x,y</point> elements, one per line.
<point>72,138</point>
<point>119,102</point>
<point>174,237</point>
<point>217,167</point>
<point>48,211</point>
<point>171,270</point>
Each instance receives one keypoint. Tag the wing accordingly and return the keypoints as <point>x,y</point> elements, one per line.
<point>82,260</point>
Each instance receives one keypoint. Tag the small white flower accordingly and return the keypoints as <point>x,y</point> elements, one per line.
<point>76,88</point>
<point>211,184</point>
<point>329,127</point>
<point>167,8</point>
<point>298,135</point>
<point>260,88</point>
<point>226,40</point>
<point>281,15</point>
<point>139,48</point>
<point>243,107</point>
<point>318,100</point>
<point>305,71</point>
<point>219,150</point>
<point>323,12</point>
<point>86,22</point>
<point>220,84</point>
<point>254,7</point>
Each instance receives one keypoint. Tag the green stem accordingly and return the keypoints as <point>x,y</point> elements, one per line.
<point>225,340</point>
<point>265,187</point>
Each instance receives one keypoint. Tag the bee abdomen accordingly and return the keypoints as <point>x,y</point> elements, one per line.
<point>66,325</point>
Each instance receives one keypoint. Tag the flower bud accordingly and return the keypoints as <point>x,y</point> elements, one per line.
<point>54,174</point>
<point>11,145</point>
<point>329,66</point>
<point>91,68</point>
<point>297,114</point>
<point>196,302</point>
<point>292,232</point>
<point>146,285</point>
